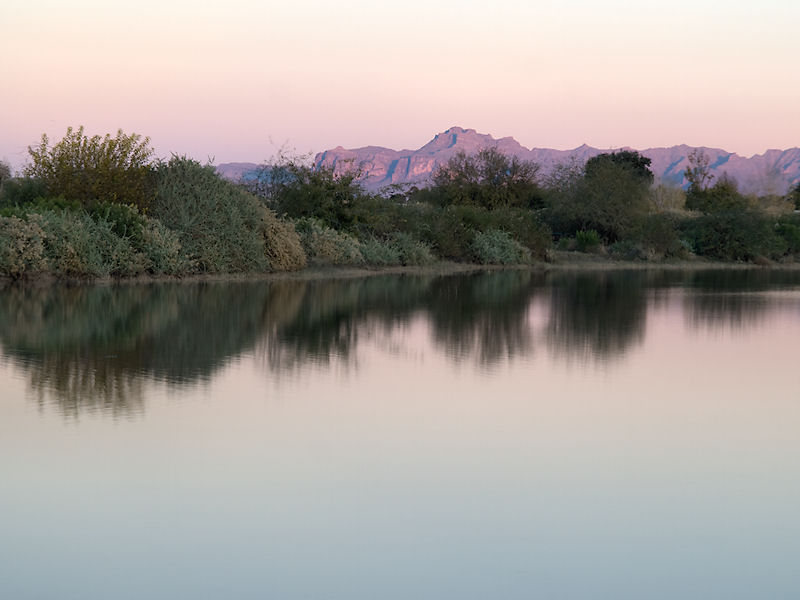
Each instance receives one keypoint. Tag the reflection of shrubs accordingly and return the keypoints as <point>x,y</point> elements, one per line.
<point>496,247</point>
<point>587,241</point>
<point>324,245</point>
<point>21,247</point>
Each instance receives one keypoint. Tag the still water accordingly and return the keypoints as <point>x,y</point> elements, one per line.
<point>504,435</point>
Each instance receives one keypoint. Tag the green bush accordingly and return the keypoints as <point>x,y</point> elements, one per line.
<point>124,220</point>
<point>496,247</point>
<point>324,245</point>
<point>789,229</point>
<point>299,191</point>
<point>92,169</point>
<point>21,190</point>
<point>221,226</point>
<point>21,247</point>
<point>283,247</point>
<point>77,246</point>
<point>488,179</point>
<point>380,253</point>
<point>734,235</point>
<point>566,244</point>
<point>525,227</point>
<point>161,248</point>
<point>412,251</point>
<point>625,250</point>
<point>450,231</point>
<point>587,241</point>
<point>659,235</point>
<point>609,196</point>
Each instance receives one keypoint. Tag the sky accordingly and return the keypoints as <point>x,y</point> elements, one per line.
<point>242,80</point>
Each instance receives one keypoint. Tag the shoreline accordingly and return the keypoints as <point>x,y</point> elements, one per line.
<point>586,263</point>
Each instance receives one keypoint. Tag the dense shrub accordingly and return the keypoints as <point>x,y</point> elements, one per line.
<point>659,236</point>
<point>78,246</point>
<point>450,231</point>
<point>125,220</point>
<point>21,247</point>
<point>587,241</point>
<point>609,196</point>
<point>298,191</point>
<point>722,196</point>
<point>324,245</point>
<point>496,247</point>
<point>380,253</point>
<point>91,169</point>
<point>283,247</point>
<point>788,228</point>
<point>735,235</point>
<point>221,226</point>
<point>412,251</point>
<point>625,250</point>
<point>488,179</point>
<point>21,190</point>
<point>161,248</point>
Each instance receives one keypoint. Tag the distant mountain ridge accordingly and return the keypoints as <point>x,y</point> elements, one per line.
<point>772,172</point>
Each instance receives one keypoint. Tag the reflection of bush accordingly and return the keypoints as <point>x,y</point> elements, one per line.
<point>730,299</point>
<point>93,346</point>
<point>597,314</point>
<point>484,314</point>
<point>97,347</point>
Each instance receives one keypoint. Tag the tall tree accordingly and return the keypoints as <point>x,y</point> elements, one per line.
<point>698,173</point>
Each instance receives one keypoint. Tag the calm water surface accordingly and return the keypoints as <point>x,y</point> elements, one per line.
<point>501,435</point>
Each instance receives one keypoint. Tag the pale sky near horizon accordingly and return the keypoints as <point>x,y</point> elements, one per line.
<point>237,80</point>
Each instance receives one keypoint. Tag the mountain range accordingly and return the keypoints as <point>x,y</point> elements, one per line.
<point>772,172</point>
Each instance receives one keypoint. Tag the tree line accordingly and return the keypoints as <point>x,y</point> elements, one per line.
<point>106,206</point>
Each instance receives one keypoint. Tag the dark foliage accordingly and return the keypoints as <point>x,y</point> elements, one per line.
<point>488,179</point>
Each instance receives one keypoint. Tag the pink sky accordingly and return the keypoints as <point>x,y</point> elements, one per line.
<point>238,80</point>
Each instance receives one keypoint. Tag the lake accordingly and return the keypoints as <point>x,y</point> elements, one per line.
<point>504,434</point>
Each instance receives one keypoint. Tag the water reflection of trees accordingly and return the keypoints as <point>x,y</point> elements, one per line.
<point>483,314</point>
<point>597,314</point>
<point>94,346</point>
<point>98,347</point>
<point>733,299</point>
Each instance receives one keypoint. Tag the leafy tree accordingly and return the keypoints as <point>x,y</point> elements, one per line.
<point>489,179</point>
<point>5,172</point>
<point>636,164</point>
<point>723,195</point>
<point>794,196</point>
<point>698,173</point>
<point>735,235</point>
<point>298,191</point>
<point>610,196</point>
<point>91,169</point>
